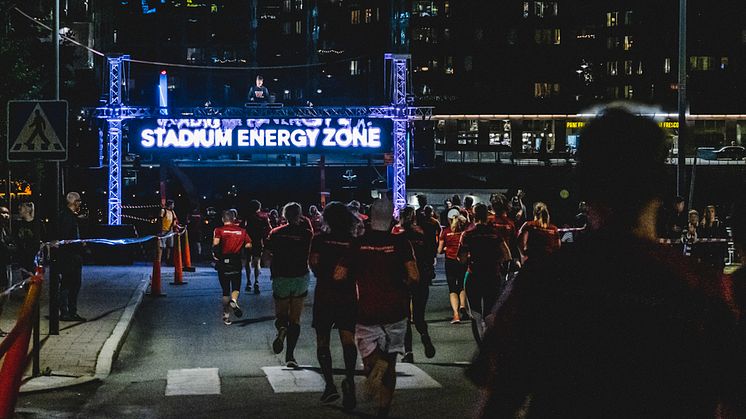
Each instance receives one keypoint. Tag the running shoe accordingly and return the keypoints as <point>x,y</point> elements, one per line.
<point>464,314</point>
<point>429,348</point>
<point>373,384</point>
<point>227,319</point>
<point>330,395</point>
<point>236,309</point>
<point>279,342</point>
<point>256,288</point>
<point>408,358</point>
<point>349,401</point>
<point>455,320</point>
<point>294,365</point>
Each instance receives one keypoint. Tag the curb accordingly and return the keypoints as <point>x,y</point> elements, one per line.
<point>106,355</point>
<point>114,343</point>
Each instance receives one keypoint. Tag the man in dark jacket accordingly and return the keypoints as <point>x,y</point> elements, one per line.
<point>68,261</point>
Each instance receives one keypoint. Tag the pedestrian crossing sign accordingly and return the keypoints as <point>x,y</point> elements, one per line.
<point>37,130</point>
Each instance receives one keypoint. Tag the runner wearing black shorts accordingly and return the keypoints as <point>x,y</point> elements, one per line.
<point>449,241</point>
<point>227,243</point>
<point>484,251</point>
<point>258,227</point>
<point>334,301</point>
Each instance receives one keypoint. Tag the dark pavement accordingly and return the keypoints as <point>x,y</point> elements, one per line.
<point>184,331</point>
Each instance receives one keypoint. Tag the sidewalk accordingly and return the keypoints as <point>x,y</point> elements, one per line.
<point>84,351</point>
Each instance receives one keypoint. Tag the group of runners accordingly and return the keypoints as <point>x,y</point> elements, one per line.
<point>373,274</point>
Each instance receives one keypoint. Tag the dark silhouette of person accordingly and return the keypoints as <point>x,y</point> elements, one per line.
<point>616,325</point>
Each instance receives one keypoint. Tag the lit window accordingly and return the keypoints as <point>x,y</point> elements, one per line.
<point>723,63</point>
<point>298,27</point>
<point>612,19</point>
<point>667,66</point>
<point>368,15</point>
<point>612,68</point>
<point>286,4</point>
<point>701,63</point>
<point>628,92</point>
<point>639,68</point>
<point>627,42</point>
<point>628,17</point>
<point>287,28</point>
<point>354,68</point>
<point>449,65</point>
<point>525,11</point>
<point>556,38</point>
<point>298,4</point>
<point>545,90</point>
<point>355,17</point>
<point>628,67</point>
<point>447,9</point>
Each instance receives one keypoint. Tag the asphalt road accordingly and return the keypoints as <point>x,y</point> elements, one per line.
<point>184,330</point>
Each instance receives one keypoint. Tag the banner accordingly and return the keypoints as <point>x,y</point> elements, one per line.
<point>204,135</point>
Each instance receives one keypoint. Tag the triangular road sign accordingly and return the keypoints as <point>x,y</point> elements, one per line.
<point>37,135</point>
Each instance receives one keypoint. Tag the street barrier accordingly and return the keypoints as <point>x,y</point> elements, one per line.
<point>155,278</point>
<point>14,348</point>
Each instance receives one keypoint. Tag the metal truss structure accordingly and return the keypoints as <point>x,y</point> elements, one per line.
<point>116,112</point>
<point>398,70</point>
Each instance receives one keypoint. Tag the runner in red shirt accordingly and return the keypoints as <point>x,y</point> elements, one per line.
<point>227,244</point>
<point>258,228</point>
<point>539,238</point>
<point>289,245</point>
<point>384,268</point>
<point>448,242</point>
<point>484,251</point>
<point>419,293</point>
<point>335,302</point>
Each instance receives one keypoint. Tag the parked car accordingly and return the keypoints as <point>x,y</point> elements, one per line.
<point>732,152</point>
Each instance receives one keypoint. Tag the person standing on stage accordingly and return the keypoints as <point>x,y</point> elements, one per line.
<point>258,92</point>
<point>169,223</point>
<point>258,227</point>
<point>384,269</point>
<point>227,244</point>
<point>289,246</point>
<point>67,259</point>
<point>335,302</point>
<point>419,293</point>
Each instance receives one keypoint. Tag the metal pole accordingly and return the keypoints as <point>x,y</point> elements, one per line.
<point>56,42</point>
<point>681,167</point>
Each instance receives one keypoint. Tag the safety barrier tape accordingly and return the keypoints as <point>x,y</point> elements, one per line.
<point>696,241</point>
<point>145,220</point>
<point>140,206</point>
<point>109,242</point>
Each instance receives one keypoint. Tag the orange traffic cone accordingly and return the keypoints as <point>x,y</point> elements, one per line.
<point>155,279</point>
<point>178,269</point>
<point>187,254</point>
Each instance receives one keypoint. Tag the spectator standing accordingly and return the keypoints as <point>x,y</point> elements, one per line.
<point>712,253</point>
<point>169,223</point>
<point>7,248</point>
<point>67,259</point>
<point>28,234</point>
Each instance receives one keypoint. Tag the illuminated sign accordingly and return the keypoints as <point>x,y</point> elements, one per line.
<point>575,124</point>
<point>264,135</point>
<point>669,124</point>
